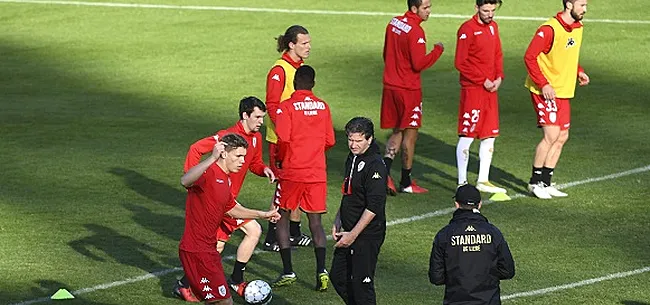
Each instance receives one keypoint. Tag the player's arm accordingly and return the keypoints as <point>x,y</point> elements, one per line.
<point>498,56</point>
<point>283,130</point>
<point>437,273</point>
<point>257,165</point>
<point>464,40</point>
<point>420,60</point>
<point>330,138</point>
<point>336,226</point>
<point>505,263</point>
<point>197,150</point>
<point>197,171</point>
<point>583,78</point>
<point>541,43</point>
<point>239,211</point>
<point>274,87</point>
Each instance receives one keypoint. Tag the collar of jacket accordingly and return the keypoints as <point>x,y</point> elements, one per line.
<point>462,215</point>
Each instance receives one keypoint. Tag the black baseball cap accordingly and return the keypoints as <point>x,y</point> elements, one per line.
<point>468,194</point>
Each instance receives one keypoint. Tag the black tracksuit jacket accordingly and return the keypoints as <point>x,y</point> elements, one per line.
<point>470,257</point>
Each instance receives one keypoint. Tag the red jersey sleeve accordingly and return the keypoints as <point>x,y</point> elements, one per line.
<point>542,42</point>
<point>197,150</point>
<point>274,87</point>
<point>580,69</point>
<point>257,165</point>
<point>498,55</point>
<point>231,204</point>
<point>420,60</point>
<point>330,139</point>
<point>464,41</point>
<point>283,129</point>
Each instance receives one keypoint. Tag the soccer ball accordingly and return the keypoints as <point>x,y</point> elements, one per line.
<point>258,292</point>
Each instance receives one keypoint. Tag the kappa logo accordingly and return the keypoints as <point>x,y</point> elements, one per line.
<point>466,123</point>
<point>465,130</point>
<point>405,19</point>
<point>462,36</point>
<point>220,181</point>
<point>541,113</point>
<point>421,40</point>
<point>240,221</point>
<point>542,121</point>
<point>222,291</point>
<point>466,115</point>
<point>366,280</point>
<point>470,228</point>
<point>204,280</point>
<point>413,123</point>
<point>570,42</point>
<point>360,166</point>
<point>376,176</point>
<point>275,77</point>
<point>540,105</point>
<point>478,33</point>
<point>415,116</point>
<point>206,288</point>
<point>209,296</point>
<point>417,109</point>
<point>308,99</point>
<point>540,34</point>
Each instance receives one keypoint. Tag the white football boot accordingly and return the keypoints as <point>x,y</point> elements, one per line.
<point>488,187</point>
<point>553,191</point>
<point>539,190</point>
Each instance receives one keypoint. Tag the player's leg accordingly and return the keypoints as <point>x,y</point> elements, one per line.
<point>290,194</point>
<point>252,232</point>
<point>462,158</point>
<point>408,185</point>
<point>220,302</point>
<point>487,129</point>
<point>314,203</point>
<point>364,263</point>
<point>564,122</point>
<point>339,273</point>
<point>297,238</point>
<point>543,110</point>
<point>205,275</point>
<point>270,242</point>
<point>391,110</point>
<point>466,133</point>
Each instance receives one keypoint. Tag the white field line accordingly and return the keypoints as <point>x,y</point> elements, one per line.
<point>289,11</point>
<point>400,221</point>
<point>576,284</point>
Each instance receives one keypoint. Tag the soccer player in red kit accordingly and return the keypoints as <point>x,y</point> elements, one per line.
<point>305,132</point>
<point>480,62</point>
<point>295,46</point>
<point>405,57</point>
<point>251,114</point>
<point>209,199</point>
<point>552,63</point>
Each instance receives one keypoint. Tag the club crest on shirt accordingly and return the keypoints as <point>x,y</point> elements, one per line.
<point>254,142</point>
<point>360,166</point>
<point>222,290</point>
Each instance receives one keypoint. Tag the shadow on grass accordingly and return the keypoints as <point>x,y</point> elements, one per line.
<point>634,303</point>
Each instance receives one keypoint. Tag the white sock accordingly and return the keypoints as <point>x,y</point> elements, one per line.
<point>462,157</point>
<point>485,159</point>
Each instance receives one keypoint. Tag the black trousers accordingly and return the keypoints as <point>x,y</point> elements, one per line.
<point>353,271</point>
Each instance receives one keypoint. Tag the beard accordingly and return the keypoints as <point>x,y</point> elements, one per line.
<point>575,16</point>
<point>485,20</point>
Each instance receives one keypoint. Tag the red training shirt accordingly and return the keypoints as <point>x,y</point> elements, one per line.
<point>305,132</point>
<point>478,53</point>
<point>542,43</point>
<point>405,53</point>
<point>275,85</point>
<point>208,200</point>
<point>252,161</point>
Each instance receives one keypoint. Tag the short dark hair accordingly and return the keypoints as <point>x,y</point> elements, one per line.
<point>360,125</point>
<point>480,3</point>
<point>290,35</point>
<point>564,2</point>
<point>234,141</point>
<point>248,105</point>
<point>305,78</point>
<point>412,3</point>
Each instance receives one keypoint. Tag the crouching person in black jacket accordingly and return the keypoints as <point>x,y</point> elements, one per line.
<point>360,224</point>
<point>469,255</point>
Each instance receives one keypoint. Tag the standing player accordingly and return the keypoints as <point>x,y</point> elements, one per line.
<point>480,62</point>
<point>251,114</point>
<point>305,132</point>
<point>552,63</point>
<point>360,224</point>
<point>209,199</point>
<point>405,57</point>
<point>295,46</point>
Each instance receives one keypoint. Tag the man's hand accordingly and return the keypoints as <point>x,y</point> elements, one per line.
<point>441,45</point>
<point>548,92</point>
<point>489,85</point>
<point>218,148</point>
<point>583,79</point>
<point>497,84</point>
<point>271,215</point>
<point>269,173</point>
<point>345,239</point>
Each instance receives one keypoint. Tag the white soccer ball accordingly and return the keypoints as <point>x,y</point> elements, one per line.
<point>258,292</point>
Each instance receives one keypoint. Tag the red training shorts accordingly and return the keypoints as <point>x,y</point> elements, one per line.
<point>309,197</point>
<point>205,274</point>
<point>478,113</point>
<point>401,109</point>
<point>228,226</point>
<point>552,112</point>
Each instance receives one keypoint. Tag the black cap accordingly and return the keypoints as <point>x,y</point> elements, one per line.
<point>468,194</point>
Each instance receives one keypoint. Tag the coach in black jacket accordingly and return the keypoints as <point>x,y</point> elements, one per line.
<point>360,224</point>
<point>469,255</point>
